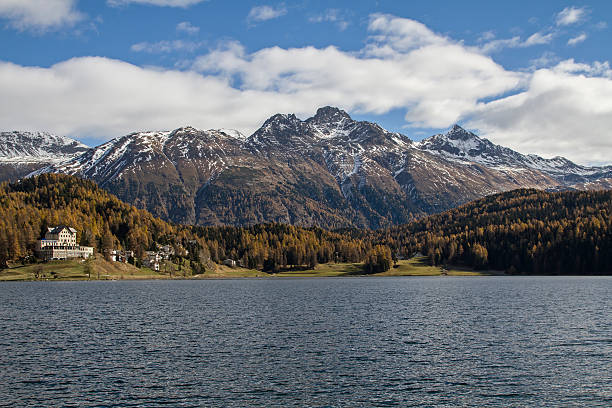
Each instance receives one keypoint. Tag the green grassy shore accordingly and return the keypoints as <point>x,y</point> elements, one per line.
<point>100,269</point>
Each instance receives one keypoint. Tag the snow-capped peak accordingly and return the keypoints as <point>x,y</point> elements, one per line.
<point>460,145</point>
<point>37,147</point>
<point>232,133</point>
<point>330,114</point>
<point>330,122</point>
<point>459,133</point>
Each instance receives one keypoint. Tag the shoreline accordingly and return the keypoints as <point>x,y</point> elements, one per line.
<point>99,269</point>
<point>272,277</point>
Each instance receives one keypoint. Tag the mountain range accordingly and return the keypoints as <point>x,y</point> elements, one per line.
<point>328,170</point>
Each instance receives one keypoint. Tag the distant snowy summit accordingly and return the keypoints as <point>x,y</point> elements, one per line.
<point>465,147</point>
<point>22,152</point>
<point>37,147</point>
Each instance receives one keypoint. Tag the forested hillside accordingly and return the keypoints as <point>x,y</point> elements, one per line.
<point>28,207</point>
<point>522,231</point>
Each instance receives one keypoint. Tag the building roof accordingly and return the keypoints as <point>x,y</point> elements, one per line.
<point>59,228</point>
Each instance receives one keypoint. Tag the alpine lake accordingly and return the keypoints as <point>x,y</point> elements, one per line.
<point>442,341</point>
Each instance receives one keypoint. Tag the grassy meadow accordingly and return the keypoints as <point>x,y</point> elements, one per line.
<point>100,269</point>
<point>77,269</point>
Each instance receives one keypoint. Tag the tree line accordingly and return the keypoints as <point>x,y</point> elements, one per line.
<point>273,246</point>
<point>522,231</point>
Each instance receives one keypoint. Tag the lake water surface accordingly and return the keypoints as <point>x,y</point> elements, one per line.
<point>435,341</point>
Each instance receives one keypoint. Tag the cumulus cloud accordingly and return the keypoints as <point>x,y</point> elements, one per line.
<point>436,82</point>
<point>103,98</point>
<point>40,15</point>
<point>165,46</point>
<point>263,13</point>
<point>405,65</point>
<point>187,27</point>
<point>571,15</point>
<point>403,34</point>
<point>163,3</point>
<point>561,110</point>
<point>577,40</point>
<point>565,110</point>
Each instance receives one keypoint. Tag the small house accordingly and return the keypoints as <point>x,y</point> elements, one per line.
<point>230,262</point>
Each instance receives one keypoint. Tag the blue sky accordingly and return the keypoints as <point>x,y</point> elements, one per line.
<point>530,75</point>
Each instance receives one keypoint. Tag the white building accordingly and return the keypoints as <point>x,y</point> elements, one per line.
<point>60,243</point>
<point>152,260</point>
<point>117,255</point>
<point>230,263</point>
<point>60,236</point>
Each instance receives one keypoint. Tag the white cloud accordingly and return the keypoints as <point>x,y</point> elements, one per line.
<point>565,110</point>
<point>166,46</point>
<point>571,15</point>
<point>40,15</point>
<point>545,60</point>
<point>263,13</point>
<point>577,40</point>
<point>497,45</point>
<point>403,34</point>
<point>538,38</point>
<point>332,16</point>
<point>102,98</point>
<point>596,69</point>
<point>187,27</point>
<point>487,36</point>
<point>163,3</point>
<point>435,80</point>
<point>438,81</point>
<point>342,25</point>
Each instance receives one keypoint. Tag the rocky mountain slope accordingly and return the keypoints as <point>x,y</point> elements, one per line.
<point>462,146</point>
<point>23,152</point>
<point>327,170</point>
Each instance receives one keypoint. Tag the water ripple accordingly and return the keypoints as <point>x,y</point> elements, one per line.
<point>442,342</point>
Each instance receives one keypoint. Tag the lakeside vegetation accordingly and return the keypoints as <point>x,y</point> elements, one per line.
<point>523,231</point>
<point>76,269</point>
<point>100,269</point>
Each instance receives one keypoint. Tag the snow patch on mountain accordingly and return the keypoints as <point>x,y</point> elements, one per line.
<point>232,133</point>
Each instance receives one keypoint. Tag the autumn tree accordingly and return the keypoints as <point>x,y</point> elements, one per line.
<point>378,259</point>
